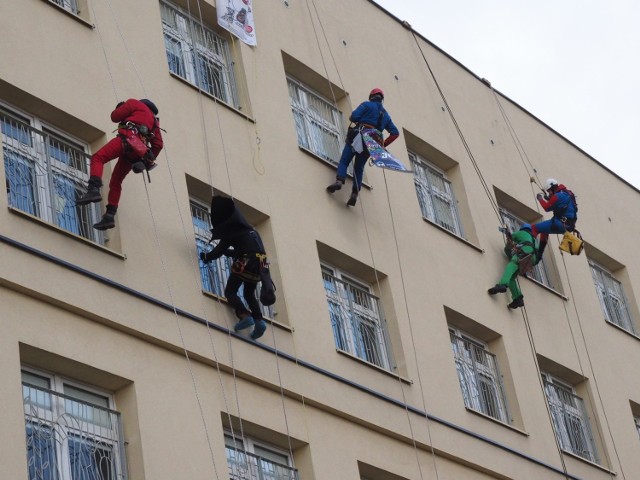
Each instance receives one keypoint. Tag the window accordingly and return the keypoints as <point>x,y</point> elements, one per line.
<point>69,5</point>
<point>45,173</point>
<point>198,54</point>
<point>248,460</point>
<point>479,376</point>
<point>569,418</point>
<point>71,432</point>
<point>318,122</point>
<point>540,272</point>
<point>214,275</point>
<point>612,298</point>
<point>356,318</point>
<point>435,195</point>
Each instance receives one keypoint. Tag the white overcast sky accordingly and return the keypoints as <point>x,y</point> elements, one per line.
<point>573,64</point>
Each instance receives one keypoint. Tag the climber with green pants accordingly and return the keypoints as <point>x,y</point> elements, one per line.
<point>522,253</point>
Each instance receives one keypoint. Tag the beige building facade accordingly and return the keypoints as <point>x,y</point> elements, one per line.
<point>384,357</point>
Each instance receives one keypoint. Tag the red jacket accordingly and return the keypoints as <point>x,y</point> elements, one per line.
<point>137,112</point>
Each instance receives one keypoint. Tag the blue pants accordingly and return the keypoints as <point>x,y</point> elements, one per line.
<point>358,167</point>
<point>554,225</point>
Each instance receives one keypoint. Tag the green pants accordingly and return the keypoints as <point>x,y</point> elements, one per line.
<point>510,277</point>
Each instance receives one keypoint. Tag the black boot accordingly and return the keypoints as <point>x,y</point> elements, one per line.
<point>517,303</point>
<point>337,185</point>
<point>353,198</point>
<point>93,192</point>
<point>497,289</point>
<point>108,219</point>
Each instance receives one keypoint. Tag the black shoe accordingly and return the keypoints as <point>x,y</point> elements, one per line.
<point>352,199</point>
<point>517,303</point>
<point>107,222</point>
<point>334,187</point>
<point>497,289</point>
<point>92,196</point>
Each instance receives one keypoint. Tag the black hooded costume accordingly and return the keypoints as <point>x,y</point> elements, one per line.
<point>237,239</point>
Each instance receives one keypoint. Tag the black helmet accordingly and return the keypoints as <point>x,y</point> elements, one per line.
<point>150,104</point>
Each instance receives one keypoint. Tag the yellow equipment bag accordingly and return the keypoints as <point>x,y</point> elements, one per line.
<point>572,243</point>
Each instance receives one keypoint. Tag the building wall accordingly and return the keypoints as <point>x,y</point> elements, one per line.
<point>102,314</point>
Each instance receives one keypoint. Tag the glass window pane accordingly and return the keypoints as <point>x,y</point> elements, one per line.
<point>90,459</point>
<point>41,452</point>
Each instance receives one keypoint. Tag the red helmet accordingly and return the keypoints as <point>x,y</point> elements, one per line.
<point>376,91</point>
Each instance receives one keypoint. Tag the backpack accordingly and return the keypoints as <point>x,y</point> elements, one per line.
<point>267,288</point>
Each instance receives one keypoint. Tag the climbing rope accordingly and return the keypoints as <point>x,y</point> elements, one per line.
<point>595,382</point>
<point>535,179</point>
<point>413,343</point>
<point>229,338</point>
<point>486,188</point>
<point>373,263</point>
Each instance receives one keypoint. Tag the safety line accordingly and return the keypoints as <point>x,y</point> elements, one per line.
<point>104,51</point>
<point>497,211</point>
<point>196,270</point>
<point>523,155</point>
<point>514,137</point>
<point>486,188</point>
<point>413,343</point>
<point>534,351</point>
<point>168,285</point>
<point>595,382</point>
<point>219,300</point>
<point>375,270</point>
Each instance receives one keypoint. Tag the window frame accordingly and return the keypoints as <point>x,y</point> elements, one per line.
<point>426,192</point>
<point>34,146</point>
<point>604,280</point>
<point>540,272</point>
<point>349,334</point>
<point>567,442</point>
<point>302,108</point>
<point>71,6</point>
<point>486,377</point>
<point>196,41</point>
<point>248,446</point>
<point>68,429</point>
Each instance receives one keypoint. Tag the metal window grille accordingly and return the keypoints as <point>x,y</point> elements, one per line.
<point>570,420</point>
<point>480,379</point>
<point>70,439</point>
<point>198,54</point>
<point>214,275</point>
<point>435,195</point>
<point>612,298</point>
<point>539,273</point>
<point>45,174</point>
<point>264,464</point>
<point>69,5</point>
<point>636,420</point>
<point>356,318</point>
<point>318,122</point>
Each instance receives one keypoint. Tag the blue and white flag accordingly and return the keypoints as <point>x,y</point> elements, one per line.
<point>237,17</point>
<point>380,157</point>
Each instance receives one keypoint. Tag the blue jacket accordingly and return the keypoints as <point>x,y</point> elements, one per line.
<point>369,112</point>
<point>561,204</point>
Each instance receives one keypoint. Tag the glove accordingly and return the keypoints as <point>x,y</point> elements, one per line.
<point>119,104</point>
<point>539,196</point>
